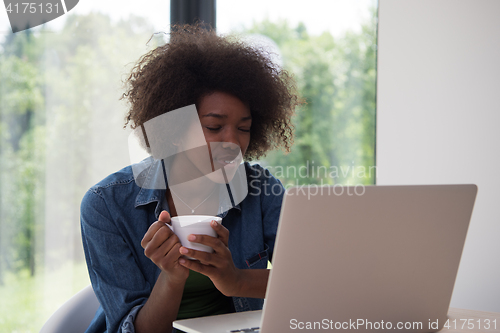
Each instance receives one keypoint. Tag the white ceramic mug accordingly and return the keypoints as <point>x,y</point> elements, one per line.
<point>185,225</point>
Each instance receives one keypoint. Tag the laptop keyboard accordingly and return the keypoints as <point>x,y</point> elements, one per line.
<point>245,330</point>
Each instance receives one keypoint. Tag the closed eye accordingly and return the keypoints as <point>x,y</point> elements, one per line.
<point>244,130</point>
<point>213,129</point>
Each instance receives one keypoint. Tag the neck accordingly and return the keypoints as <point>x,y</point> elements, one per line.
<point>194,191</point>
<point>187,194</point>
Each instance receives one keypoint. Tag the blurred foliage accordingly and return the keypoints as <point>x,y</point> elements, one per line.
<point>27,302</point>
<point>335,128</point>
<point>21,150</point>
<point>56,90</point>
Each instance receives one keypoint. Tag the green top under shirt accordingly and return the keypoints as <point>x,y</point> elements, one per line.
<point>201,298</point>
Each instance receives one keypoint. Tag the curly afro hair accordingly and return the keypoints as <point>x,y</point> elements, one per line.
<point>196,62</point>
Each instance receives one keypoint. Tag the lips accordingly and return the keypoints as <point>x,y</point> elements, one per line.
<point>225,155</point>
<point>227,159</point>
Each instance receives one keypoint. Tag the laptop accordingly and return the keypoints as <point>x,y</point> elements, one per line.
<point>372,258</point>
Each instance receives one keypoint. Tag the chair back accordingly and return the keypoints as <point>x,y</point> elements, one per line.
<point>75,315</point>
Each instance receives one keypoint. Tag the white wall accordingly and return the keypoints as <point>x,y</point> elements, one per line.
<point>438,118</point>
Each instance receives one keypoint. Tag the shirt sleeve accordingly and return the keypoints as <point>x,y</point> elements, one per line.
<point>117,280</point>
<point>128,323</point>
<point>271,200</point>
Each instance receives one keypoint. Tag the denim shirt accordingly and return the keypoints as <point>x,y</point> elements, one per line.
<point>115,215</point>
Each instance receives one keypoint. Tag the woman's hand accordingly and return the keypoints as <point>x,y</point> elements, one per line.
<point>218,266</point>
<point>162,246</point>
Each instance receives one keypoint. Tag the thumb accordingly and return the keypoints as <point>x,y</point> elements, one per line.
<point>164,217</point>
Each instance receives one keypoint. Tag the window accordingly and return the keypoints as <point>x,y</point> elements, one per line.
<point>330,47</point>
<point>61,122</point>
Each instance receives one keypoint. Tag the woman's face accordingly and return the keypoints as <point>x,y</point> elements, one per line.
<point>226,123</point>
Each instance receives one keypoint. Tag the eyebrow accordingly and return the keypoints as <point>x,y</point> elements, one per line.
<point>223,116</point>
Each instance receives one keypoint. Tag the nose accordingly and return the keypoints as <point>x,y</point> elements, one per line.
<point>230,139</point>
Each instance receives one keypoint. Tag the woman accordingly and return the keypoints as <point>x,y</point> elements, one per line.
<point>137,266</point>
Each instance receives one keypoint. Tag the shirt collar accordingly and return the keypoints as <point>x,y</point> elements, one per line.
<point>149,177</point>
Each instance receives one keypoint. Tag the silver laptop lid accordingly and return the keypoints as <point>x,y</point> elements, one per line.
<point>368,257</point>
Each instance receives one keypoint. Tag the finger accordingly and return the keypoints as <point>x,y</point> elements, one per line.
<point>211,259</point>
<point>171,257</point>
<point>153,228</point>
<point>158,255</point>
<point>215,243</point>
<point>197,266</point>
<point>164,217</point>
<point>169,245</point>
<point>161,235</point>
<point>204,257</point>
<point>221,231</point>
